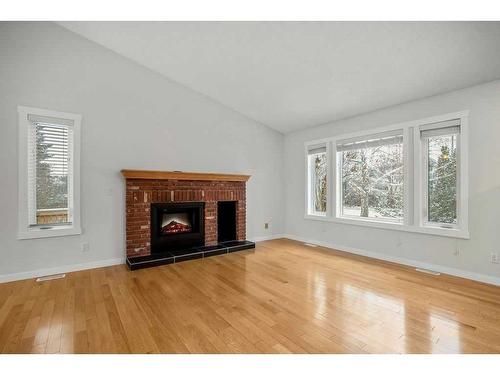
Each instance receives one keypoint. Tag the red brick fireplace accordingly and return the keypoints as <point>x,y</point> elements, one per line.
<point>146,187</point>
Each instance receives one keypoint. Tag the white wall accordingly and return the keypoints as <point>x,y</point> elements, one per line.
<point>132,118</point>
<point>484,185</point>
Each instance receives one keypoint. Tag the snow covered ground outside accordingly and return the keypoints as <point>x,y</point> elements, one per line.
<point>356,212</point>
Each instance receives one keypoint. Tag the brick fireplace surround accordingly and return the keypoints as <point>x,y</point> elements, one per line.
<point>146,187</point>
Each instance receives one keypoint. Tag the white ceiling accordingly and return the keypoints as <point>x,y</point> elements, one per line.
<point>291,75</point>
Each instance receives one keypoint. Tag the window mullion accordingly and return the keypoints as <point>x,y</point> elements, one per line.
<point>338,183</point>
<point>463,170</point>
<point>417,177</point>
<point>331,202</point>
<point>458,185</point>
<point>408,176</point>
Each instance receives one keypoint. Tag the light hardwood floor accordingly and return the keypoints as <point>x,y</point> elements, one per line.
<point>283,297</point>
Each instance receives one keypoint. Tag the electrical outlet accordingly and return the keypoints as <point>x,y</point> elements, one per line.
<point>494,257</point>
<point>457,252</point>
<point>266,225</point>
<point>85,247</point>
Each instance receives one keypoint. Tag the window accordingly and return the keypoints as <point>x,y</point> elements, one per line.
<point>440,146</point>
<point>318,185</point>
<point>48,173</point>
<point>371,176</point>
<point>410,177</point>
<point>49,176</point>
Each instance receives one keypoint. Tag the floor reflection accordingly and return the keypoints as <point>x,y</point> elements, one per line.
<point>320,296</point>
<point>418,329</point>
<point>430,331</point>
<point>446,334</point>
<point>380,318</point>
<point>395,324</point>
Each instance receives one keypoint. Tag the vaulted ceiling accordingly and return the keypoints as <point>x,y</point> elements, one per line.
<point>292,75</point>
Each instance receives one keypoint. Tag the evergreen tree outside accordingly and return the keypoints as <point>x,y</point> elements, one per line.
<point>442,179</point>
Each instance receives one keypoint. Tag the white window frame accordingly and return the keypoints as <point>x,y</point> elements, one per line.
<point>339,199</point>
<point>413,189</point>
<point>421,156</point>
<point>24,229</point>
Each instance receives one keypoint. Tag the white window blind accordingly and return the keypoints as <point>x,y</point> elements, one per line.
<point>442,128</point>
<point>312,150</point>
<point>50,171</point>
<point>381,139</point>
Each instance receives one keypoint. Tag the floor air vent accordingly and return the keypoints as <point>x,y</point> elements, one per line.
<point>51,277</point>
<point>310,244</point>
<point>430,272</point>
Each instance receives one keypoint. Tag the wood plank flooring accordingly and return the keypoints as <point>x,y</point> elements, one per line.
<point>283,297</point>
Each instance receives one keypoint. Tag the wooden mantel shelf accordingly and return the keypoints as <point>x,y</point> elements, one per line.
<point>178,175</point>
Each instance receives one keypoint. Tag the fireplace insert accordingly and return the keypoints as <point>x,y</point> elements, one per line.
<point>177,226</point>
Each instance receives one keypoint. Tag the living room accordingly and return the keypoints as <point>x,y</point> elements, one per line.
<point>261,187</point>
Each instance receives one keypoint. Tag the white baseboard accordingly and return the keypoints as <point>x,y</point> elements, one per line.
<point>61,269</point>
<point>407,262</point>
<point>84,266</point>
<point>266,238</point>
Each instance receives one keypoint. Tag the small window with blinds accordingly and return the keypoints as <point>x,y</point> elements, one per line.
<point>50,171</point>
<point>441,164</point>
<point>49,203</point>
<point>372,176</point>
<point>318,187</point>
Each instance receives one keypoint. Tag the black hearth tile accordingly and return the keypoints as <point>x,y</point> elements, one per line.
<point>233,246</point>
<point>238,245</point>
<point>181,255</point>
<point>235,243</point>
<point>191,256</point>
<point>183,252</point>
<point>136,263</point>
<point>160,255</point>
<point>211,247</point>
<point>239,248</point>
<point>211,253</point>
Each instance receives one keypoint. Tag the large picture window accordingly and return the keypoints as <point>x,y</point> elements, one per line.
<point>411,177</point>
<point>371,173</point>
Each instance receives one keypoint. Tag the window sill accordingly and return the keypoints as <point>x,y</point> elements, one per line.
<point>445,232</point>
<point>317,215</point>
<point>45,233</point>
